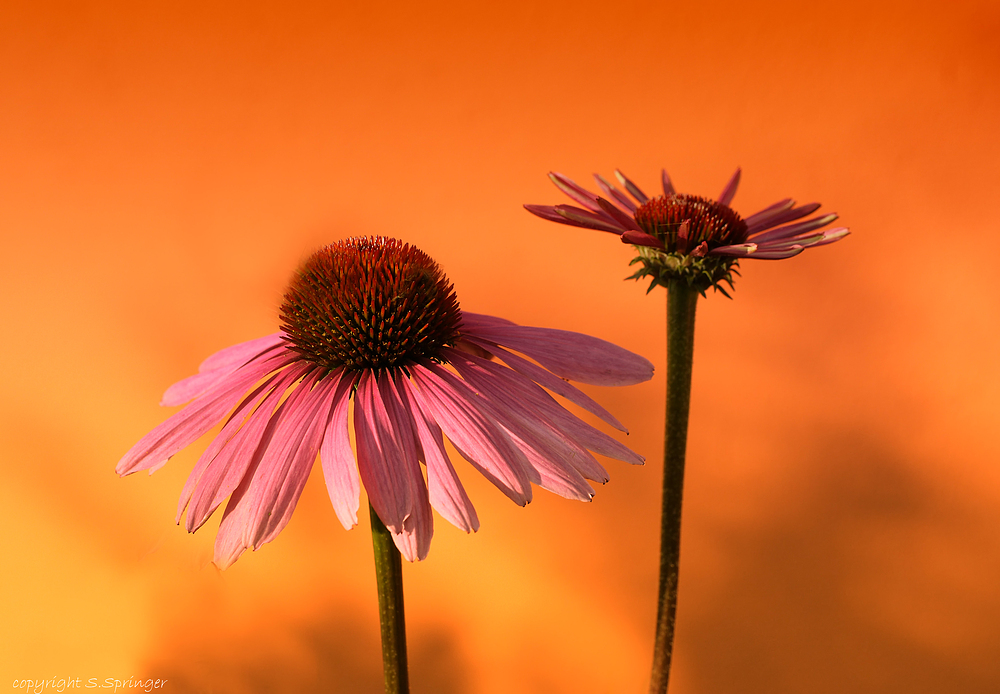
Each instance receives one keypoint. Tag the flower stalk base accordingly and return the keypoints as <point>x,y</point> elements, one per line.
<point>389,577</point>
<point>681,303</point>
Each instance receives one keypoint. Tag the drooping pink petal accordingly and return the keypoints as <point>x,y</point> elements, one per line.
<point>380,451</point>
<point>450,403</point>
<point>446,492</point>
<point>523,410</point>
<point>570,355</point>
<point>632,188</point>
<point>619,197</point>
<point>589,220</point>
<point>289,459</point>
<point>537,403</point>
<point>155,448</point>
<point>777,255</point>
<point>238,527</point>
<point>575,191</point>
<point>219,476</point>
<point>340,470</point>
<point>240,416</point>
<point>217,367</point>
<point>668,186</point>
<point>729,191</point>
<point>552,382</point>
<point>781,217</point>
<point>414,539</point>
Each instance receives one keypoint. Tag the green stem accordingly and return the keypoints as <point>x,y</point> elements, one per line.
<point>389,577</point>
<point>681,303</point>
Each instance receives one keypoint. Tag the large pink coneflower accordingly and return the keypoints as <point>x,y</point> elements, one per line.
<point>375,321</point>
<point>686,244</point>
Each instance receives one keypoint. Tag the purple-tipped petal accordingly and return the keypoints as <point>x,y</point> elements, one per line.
<point>552,382</point>
<point>155,448</point>
<point>641,238</point>
<point>450,403</point>
<point>589,220</point>
<point>340,470</point>
<point>627,221</point>
<point>632,188</point>
<point>575,191</point>
<point>781,217</point>
<point>613,192</point>
<point>574,356</point>
<point>792,230</point>
<point>444,488</point>
<point>668,185</point>
<point>726,196</point>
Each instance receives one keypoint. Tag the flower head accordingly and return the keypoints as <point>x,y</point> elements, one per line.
<point>375,321</point>
<point>688,237</point>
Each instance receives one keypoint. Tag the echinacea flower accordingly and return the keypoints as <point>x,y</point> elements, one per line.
<point>688,236</point>
<point>375,320</point>
<point>686,244</point>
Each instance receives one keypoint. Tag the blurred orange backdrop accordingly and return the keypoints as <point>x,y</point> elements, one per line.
<point>165,166</point>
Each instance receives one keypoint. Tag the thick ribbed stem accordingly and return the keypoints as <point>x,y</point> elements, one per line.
<point>681,304</point>
<point>389,576</point>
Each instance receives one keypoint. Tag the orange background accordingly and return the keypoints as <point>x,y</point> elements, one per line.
<point>164,168</point>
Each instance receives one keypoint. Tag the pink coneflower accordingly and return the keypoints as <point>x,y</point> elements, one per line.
<point>687,235</point>
<point>375,320</point>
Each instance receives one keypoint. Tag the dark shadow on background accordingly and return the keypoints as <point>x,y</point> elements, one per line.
<point>789,618</point>
<point>333,653</point>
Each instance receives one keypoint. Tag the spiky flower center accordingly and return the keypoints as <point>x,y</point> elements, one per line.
<point>708,221</point>
<point>370,303</point>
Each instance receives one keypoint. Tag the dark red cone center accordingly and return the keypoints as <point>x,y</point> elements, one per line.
<point>708,221</point>
<point>370,303</point>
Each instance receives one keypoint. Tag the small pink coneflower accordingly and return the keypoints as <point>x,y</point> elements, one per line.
<point>374,320</point>
<point>687,236</point>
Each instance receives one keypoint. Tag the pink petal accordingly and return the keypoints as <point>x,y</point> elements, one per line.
<point>239,418</point>
<point>589,220</point>
<point>770,211</point>
<point>632,188</point>
<point>340,470</point>
<point>570,355</point>
<point>792,230</point>
<point>726,196</point>
<point>641,238</point>
<point>558,460</point>
<point>447,494</point>
<point>780,217</point>
<point>159,445</point>
<point>414,539</point>
<point>217,367</point>
<point>552,382</point>
<point>535,402</point>
<point>261,508</point>
<point>613,192</point>
<point>474,320</point>
<point>450,403</point>
<point>668,186</point>
<point>549,212</point>
<point>574,191</point>
<point>381,451</point>
<point>625,220</point>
